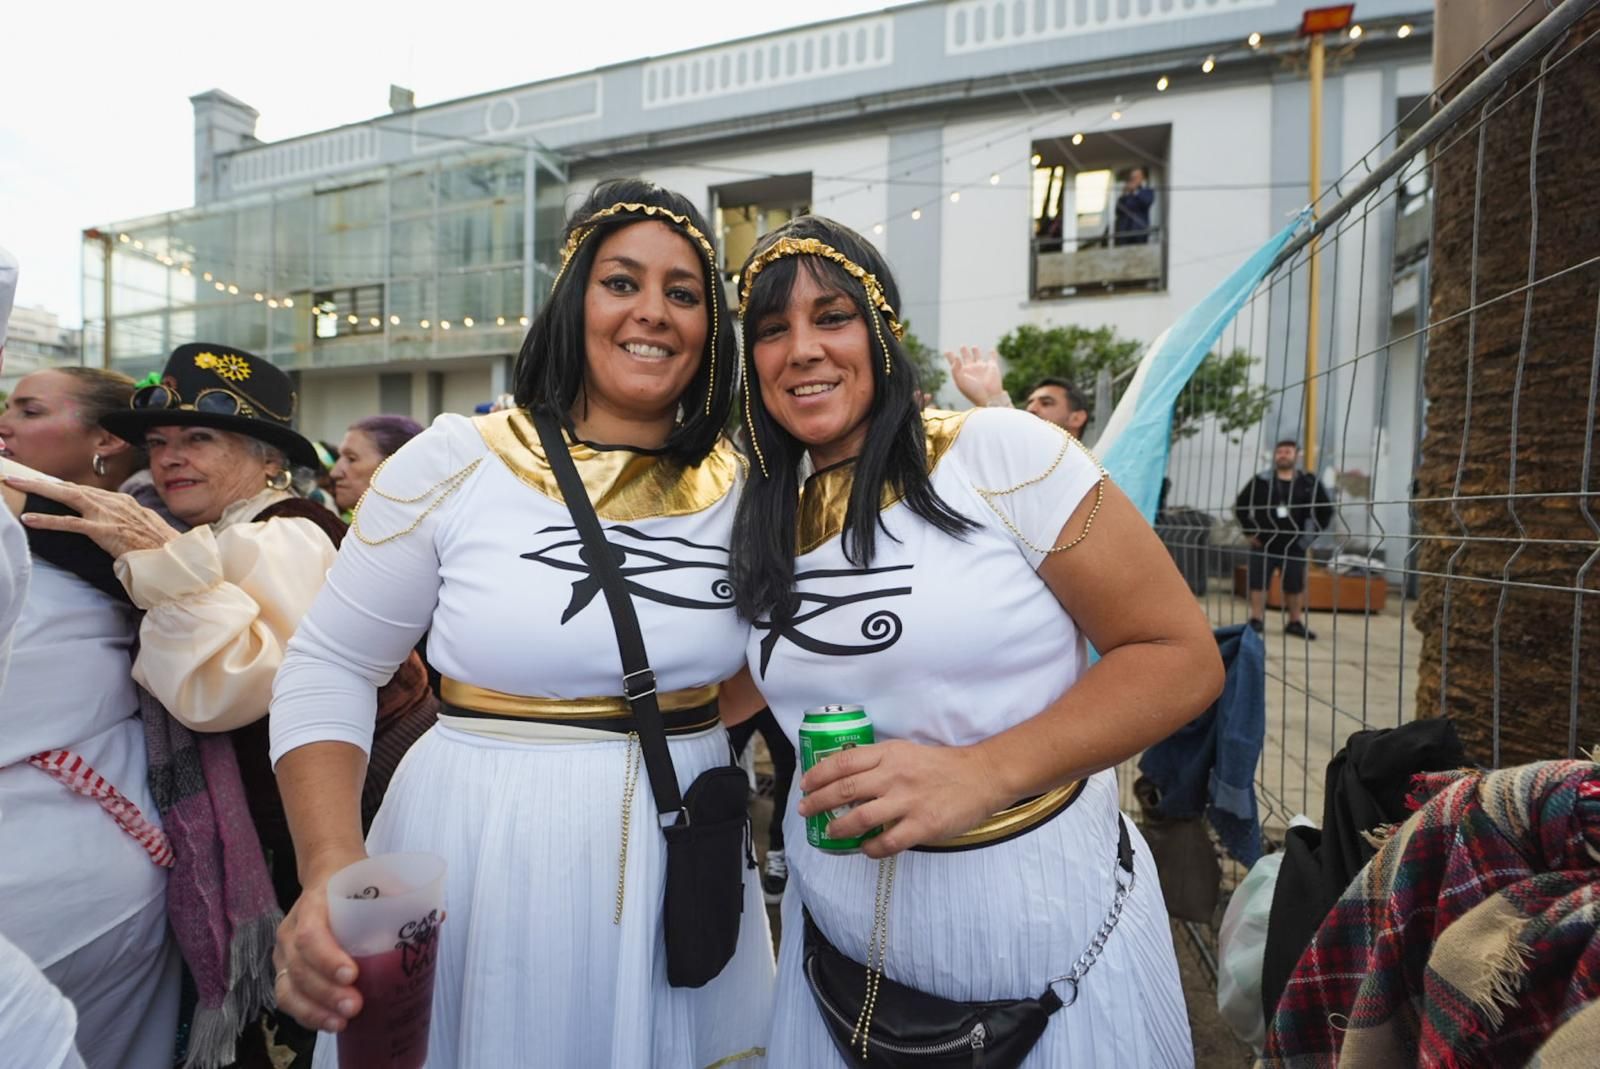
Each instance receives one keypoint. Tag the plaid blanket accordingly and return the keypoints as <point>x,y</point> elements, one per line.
<point>1471,939</point>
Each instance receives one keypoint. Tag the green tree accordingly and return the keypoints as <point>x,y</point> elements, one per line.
<point>1220,387</point>
<point>930,365</point>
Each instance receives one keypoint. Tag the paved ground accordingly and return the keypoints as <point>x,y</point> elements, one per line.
<point>1361,672</point>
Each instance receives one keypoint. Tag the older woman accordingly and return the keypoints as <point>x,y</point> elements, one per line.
<point>531,786</point>
<point>220,602</point>
<point>945,571</point>
<point>83,891</point>
<point>367,444</point>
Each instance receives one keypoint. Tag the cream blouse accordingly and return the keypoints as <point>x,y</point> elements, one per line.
<point>221,602</point>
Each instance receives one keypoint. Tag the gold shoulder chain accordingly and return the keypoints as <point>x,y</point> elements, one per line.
<point>1067,442</point>
<point>440,491</point>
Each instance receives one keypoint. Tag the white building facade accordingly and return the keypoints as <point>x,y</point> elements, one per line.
<point>392,264</point>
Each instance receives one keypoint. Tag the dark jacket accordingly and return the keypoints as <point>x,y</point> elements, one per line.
<point>1308,501</point>
<point>1133,216</point>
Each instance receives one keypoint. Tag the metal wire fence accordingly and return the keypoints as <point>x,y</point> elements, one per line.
<point>1452,421</point>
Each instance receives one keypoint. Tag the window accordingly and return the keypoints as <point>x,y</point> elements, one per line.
<point>344,312</point>
<point>1098,213</point>
<point>748,211</point>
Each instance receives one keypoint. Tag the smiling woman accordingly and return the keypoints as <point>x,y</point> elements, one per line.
<point>947,571</point>
<point>556,937</point>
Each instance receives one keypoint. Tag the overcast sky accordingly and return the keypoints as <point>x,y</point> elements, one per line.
<point>95,121</point>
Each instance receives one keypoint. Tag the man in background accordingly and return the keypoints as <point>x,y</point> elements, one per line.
<point>1280,511</point>
<point>1132,224</point>
<point>977,376</point>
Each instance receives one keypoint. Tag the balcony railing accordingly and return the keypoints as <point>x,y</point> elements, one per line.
<point>1130,260</point>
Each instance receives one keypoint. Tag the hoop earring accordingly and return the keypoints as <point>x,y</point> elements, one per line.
<point>99,465</point>
<point>279,481</point>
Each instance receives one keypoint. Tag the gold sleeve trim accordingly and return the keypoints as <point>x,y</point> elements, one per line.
<point>1068,442</point>
<point>623,486</point>
<point>439,491</point>
<point>499,703</point>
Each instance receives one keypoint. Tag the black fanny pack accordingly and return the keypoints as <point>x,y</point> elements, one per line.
<point>707,828</point>
<point>897,1026</point>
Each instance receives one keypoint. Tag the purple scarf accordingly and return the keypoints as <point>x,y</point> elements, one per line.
<point>220,900</point>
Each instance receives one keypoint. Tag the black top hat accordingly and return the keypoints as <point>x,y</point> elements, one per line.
<point>210,385</point>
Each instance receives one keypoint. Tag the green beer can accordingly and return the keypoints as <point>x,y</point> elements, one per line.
<point>826,730</point>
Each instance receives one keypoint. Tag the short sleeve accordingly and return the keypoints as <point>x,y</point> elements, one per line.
<point>380,595</point>
<point>1030,472</point>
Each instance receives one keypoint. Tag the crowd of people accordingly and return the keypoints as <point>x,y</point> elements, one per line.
<point>223,690</point>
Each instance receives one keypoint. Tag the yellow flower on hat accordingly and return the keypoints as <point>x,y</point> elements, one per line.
<point>228,365</point>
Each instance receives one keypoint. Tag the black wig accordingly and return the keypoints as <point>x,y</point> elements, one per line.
<point>550,369</point>
<point>893,456</point>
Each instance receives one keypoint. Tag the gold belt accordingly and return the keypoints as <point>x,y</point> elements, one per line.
<point>1012,821</point>
<point>576,711</point>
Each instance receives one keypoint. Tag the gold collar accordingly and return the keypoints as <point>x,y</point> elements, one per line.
<point>825,498</point>
<point>624,486</point>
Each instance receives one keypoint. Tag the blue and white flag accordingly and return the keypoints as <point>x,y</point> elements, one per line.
<point>1138,437</point>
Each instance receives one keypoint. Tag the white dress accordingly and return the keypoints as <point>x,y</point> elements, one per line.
<point>476,544</point>
<point>78,894</point>
<point>949,642</point>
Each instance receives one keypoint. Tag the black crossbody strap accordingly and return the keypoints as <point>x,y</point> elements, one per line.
<point>638,681</point>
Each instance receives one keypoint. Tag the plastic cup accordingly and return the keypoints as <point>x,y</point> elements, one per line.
<point>385,912</point>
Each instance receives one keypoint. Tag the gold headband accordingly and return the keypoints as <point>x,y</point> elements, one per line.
<point>589,225</point>
<point>813,247</point>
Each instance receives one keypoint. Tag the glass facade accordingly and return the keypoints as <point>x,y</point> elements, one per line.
<point>419,261</point>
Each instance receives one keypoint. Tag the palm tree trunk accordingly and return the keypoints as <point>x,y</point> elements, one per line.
<point>1508,388</point>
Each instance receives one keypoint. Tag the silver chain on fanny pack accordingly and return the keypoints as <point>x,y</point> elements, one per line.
<point>1097,945</point>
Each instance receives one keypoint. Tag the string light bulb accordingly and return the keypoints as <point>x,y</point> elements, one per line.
<point>185,272</point>
<point>394,321</point>
<point>916,213</point>
<point>288,302</point>
<point>423,324</point>
<point>499,321</point>
<point>272,302</point>
<point>260,296</point>
<point>445,323</point>
<point>233,289</point>
<point>1162,83</point>
<point>955,197</point>
<point>1209,65</point>
<point>1116,116</point>
<point>994,179</point>
<point>375,321</point>
<point>523,320</point>
<point>206,276</point>
<point>220,287</point>
<point>1254,40</point>
<point>467,321</point>
<point>1035,159</point>
<point>1077,139</point>
<point>1403,32</point>
<point>1356,31</point>
<point>124,238</point>
<point>352,319</point>
<point>877,228</point>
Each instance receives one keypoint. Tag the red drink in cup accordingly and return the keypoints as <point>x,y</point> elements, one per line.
<point>386,911</point>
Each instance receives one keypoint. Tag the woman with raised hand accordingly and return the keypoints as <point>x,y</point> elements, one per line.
<point>83,892</point>
<point>531,786</point>
<point>946,572</point>
<point>220,601</point>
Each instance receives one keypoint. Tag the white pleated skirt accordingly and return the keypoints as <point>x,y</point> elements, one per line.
<point>999,922</point>
<point>533,970</point>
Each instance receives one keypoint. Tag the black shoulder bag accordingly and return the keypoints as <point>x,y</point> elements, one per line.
<point>707,827</point>
<point>898,1027</point>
